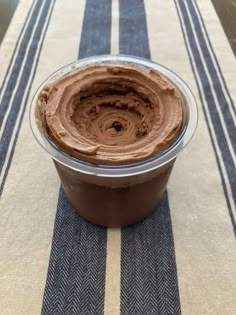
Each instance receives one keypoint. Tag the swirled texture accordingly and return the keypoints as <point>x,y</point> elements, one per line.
<point>111,114</point>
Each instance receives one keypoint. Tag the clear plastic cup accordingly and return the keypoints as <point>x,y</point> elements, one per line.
<point>117,195</point>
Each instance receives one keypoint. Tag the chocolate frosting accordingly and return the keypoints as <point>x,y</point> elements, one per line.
<point>111,114</point>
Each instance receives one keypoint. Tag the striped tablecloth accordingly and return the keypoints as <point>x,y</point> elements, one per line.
<point>180,260</point>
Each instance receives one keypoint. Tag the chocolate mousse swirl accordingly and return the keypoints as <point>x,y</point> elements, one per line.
<point>111,114</point>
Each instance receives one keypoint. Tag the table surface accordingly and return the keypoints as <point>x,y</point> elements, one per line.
<point>226,10</point>
<point>182,259</point>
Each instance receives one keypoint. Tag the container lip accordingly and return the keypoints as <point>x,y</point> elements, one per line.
<point>129,169</point>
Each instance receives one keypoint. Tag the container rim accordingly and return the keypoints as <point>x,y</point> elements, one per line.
<point>191,119</point>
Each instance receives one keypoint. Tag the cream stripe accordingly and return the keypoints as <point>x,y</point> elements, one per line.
<point>115,28</point>
<point>214,62</point>
<point>204,241</point>
<point>220,45</point>
<point>9,41</point>
<point>24,97</point>
<point>112,287</point>
<point>231,201</point>
<point>21,70</point>
<point>29,200</point>
<point>17,49</point>
<point>213,91</point>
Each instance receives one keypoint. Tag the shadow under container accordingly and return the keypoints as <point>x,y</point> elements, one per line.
<point>116,196</point>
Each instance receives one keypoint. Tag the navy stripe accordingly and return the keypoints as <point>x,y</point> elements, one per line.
<point>149,283</point>
<point>133,28</point>
<point>16,46</point>
<point>18,63</point>
<point>207,91</point>
<point>76,275</point>
<point>2,184</point>
<point>227,159</point>
<point>216,61</point>
<point>17,101</point>
<point>216,84</point>
<point>201,28</point>
<point>96,32</point>
<point>210,133</point>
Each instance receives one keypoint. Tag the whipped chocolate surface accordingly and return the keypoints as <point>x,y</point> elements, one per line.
<point>111,114</point>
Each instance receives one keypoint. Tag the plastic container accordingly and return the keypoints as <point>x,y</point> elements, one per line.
<point>117,195</point>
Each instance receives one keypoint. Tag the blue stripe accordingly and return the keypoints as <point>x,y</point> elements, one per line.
<point>207,91</point>
<point>76,275</point>
<point>216,84</point>
<point>2,184</point>
<point>24,80</point>
<point>189,38</point>
<point>216,61</point>
<point>97,18</point>
<point>133,28</point>
<point>18,63</point>
<point>149,283</point>
<point>17,44</point>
